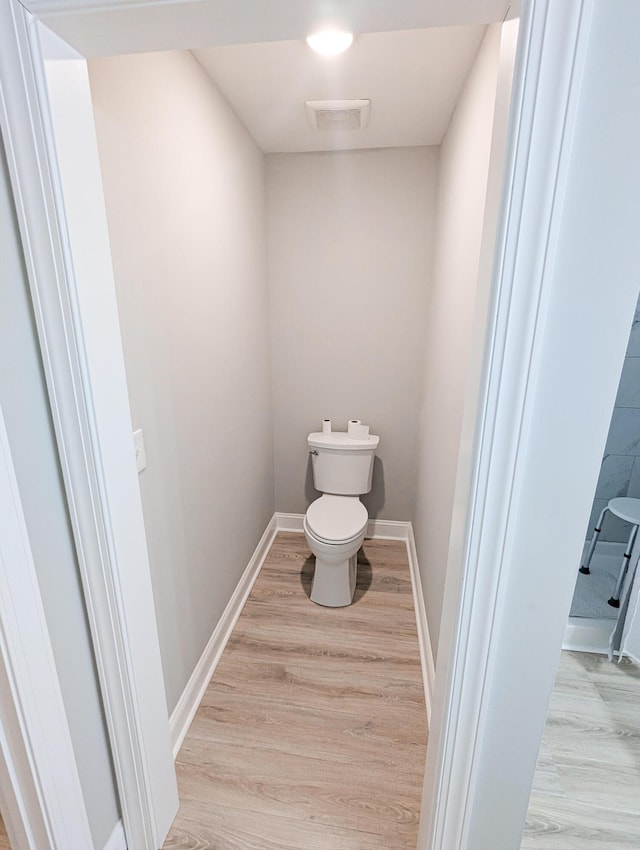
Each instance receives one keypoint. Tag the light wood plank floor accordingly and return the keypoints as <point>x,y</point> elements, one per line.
<point>312,732</point>
<point>4,838</point>
<point>586,792</point>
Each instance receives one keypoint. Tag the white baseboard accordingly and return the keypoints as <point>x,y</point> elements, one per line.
<point>188,703</point>
<point>289,522</point>
<point>585,634</point>
<point>387,529</point>
<point>424,640</point>
<point>383,529</point>
<point>117,840</point>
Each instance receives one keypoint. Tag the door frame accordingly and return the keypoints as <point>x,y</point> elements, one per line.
<point>565,286</point>
<point>40,789</point>
<point>547,77</point>
<point>93,431</point>
<point>60,212</point>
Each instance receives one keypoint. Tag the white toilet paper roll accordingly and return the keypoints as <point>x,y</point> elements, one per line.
<point>326,426</point>
<point>356,430</point>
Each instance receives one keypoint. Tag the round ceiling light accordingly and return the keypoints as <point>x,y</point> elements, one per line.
<point>330,42</point>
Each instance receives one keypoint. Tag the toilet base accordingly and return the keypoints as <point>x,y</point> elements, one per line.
<point>334,583</point>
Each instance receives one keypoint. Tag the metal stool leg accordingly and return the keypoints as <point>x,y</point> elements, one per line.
<point>584,569</point>
<point>615,599</point>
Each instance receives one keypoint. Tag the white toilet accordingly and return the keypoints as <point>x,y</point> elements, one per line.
<point>336,523</point>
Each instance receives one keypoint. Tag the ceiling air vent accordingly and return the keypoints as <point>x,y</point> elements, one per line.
<point>338,114</point>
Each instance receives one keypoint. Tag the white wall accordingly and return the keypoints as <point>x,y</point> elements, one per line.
<point>349,239</point>
<point>184,187</point>
<point>462,193</point>
<point>25,405</point>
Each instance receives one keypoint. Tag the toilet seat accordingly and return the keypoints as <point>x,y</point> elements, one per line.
<point>336,519</point>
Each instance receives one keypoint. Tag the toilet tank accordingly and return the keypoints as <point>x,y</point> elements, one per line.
<point>342,466</point>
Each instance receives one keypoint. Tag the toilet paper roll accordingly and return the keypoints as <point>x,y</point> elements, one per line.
<point>326,426</point>
<point>356,430</point>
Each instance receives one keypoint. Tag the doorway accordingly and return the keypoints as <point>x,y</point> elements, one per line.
<point>538,24</point>
<point>599,599</point>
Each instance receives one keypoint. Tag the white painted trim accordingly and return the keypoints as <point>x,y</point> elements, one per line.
<point>552,44</point>
<point>55,176</point>
<point>388,529</point>
<point>588,634</point>
<point>424,641</point>
<point>289,522</point>
<point>191,697</point>
<point>117,840</point>
<point>380,528</point>
<point>40,777</point>
<point>385,529</point>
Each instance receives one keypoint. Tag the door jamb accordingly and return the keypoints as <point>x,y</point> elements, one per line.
<point>39,783</point>
<point>83,364</point>
<point>543,113</point>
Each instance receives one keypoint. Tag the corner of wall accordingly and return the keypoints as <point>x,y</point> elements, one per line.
<point>469,184</point>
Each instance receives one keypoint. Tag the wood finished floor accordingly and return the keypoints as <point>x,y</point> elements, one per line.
<point>586,791</point>
<point>4,838</point>
<point>312,732</point>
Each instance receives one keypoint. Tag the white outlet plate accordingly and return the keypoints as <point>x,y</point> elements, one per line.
<point>141,455</point>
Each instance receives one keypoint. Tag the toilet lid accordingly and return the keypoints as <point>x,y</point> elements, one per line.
<point>337,519</point>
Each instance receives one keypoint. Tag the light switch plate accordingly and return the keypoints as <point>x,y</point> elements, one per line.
<point>141,455</point>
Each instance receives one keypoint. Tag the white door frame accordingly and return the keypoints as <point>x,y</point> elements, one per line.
<point>567,241</point>
<point>545,91</point>
<point>60,211</point>
<point>85,375</point>
<point>40,790</point>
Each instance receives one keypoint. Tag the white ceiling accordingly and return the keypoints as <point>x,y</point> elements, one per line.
<point>412,77</point>
<point>413,87</point>
<point>108,27</point>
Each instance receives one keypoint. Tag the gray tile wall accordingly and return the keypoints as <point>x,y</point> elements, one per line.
<point>620,470</point>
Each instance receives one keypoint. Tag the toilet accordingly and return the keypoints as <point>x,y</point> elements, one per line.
<point>336,523</point>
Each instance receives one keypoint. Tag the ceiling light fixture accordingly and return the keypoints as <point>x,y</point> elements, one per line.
<point>330,42</point>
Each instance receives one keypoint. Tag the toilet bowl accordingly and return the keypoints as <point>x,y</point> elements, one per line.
<point>335,528</point>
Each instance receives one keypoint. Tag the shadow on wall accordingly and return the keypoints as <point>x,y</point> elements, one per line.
<point>310,492</point>
<point>373,501</point>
